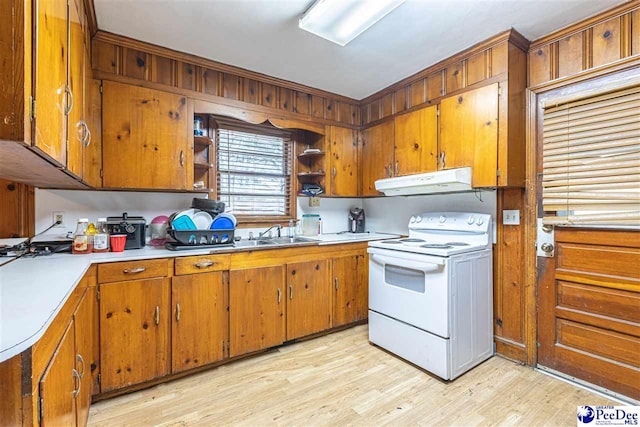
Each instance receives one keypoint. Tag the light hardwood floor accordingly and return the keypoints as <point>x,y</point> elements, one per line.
<point>341,379</point>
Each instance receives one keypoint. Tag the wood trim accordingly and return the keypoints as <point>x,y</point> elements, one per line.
<point>511,35</point>
<point>581,25</point>
<point>602,281</point>
<point>511,350</point>
<point>127,42</point>
<point>92,21</point>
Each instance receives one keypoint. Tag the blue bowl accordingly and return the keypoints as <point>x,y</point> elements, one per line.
<point>222,223</point>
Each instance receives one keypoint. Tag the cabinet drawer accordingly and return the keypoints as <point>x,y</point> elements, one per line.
<point>130,270</point>
<point>202,264</point>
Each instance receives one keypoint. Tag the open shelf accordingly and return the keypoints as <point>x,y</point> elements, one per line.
<point>310,174</point>
<point>311,155</point>
<point>202,142</point>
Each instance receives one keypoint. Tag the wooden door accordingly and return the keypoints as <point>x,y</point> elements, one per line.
<point>469,134</point>
<point>589,308</point>
<point>308,298</point>
<point>415,140</point>
<point>50,132</point>
<point>145,138</point>
<point>77,131</point>
<point>93,146</point>
<point>344,161</point>
<point>376,156</point>
<point>350,289</point>
<point>256,309</point>
<point>134,332</point>
<point>84,320</point>
<point>200,326</point>
<point>59,384</point>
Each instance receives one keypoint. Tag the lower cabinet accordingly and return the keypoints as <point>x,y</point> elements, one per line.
<point>199,330</point>
<point>256,309</point>
<point>309,298</point>
<point>350,288</point>
<point>134,331</point>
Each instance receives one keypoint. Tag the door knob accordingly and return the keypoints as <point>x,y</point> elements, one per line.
<point>547,247</point>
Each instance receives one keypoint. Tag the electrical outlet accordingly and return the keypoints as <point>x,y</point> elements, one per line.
<point>511,217</point>
<point>58,216</point>
<point>314,202</point>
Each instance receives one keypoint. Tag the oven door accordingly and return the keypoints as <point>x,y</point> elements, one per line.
<point>411,288</point>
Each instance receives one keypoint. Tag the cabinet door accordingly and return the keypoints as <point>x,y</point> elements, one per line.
<point>308,304</point>
<point>469,133</point>
<point>200,320</point>
<point>344,161</point>
<point>145,138</point>
<point>50,134</point>
<point>134,332</point>
<point>256,309</point>
<point>59,384</point>
<point>93,148</point>
<point>77,131</point>
<point>350,289</point>
<point>416,136</point>
<point>83,320</point>
<point>376,156</point>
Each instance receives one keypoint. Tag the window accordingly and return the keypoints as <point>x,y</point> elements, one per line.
<point>591,159</point>
<point>254,170</point>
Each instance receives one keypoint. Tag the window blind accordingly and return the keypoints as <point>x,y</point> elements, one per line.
<point>591,160</point>
<point>253,171</point>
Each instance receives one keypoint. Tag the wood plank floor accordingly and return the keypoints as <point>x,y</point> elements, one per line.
<point>341,379</point>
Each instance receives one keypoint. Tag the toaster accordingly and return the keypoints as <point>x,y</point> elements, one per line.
<point>131,226</point>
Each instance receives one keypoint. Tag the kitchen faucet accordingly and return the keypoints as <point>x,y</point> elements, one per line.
<point>277,226</point>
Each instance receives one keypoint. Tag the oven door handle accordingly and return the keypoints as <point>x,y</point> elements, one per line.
<point>416,265</point>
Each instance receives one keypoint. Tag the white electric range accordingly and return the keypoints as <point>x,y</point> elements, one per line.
<point>430,295</point>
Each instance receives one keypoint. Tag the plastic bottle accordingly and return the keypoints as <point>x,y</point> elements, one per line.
<point>82,244</point>
<point>319,226</point>
<point>101,238</point>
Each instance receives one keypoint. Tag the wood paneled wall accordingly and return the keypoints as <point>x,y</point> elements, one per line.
<point>126,58</point>
<point>486,62</point>
<point>598,41</point>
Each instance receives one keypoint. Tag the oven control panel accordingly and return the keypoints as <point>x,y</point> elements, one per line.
<point>453,221</point>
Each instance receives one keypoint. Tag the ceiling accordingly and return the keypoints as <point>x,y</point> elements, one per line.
<point>263,35</point>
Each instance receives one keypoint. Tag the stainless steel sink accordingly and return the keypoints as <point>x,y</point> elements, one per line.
<point>275,241</point>
<point>252,243</point>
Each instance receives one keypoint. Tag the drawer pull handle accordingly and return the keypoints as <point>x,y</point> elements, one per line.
<point>178,312</point>
<point>157,315</point>
<point>134,270</point>
<point>279,295</point>
<point>290,291</point>
<point>81,360</point>
<point>335,280</point>
<point>203,264</point>
<point>182,158</point>
<point>397,168</point>
<point>76,380</point>
<point>69,100</point>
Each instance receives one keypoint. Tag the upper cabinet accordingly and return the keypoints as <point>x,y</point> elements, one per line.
<point>416,136</point>
<point>343,148</point>
<point>376,155</point>
<point>146,142</point>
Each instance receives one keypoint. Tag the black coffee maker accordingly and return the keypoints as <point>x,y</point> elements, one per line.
<point>356,220</point>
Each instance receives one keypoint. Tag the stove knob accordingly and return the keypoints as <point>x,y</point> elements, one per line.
<point>470,220</point>
<point>443,218</point>
<point>412,220</point>
<point>418,219</point>
<point>479,221</point>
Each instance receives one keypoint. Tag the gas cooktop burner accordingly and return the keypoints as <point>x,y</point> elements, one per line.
<point>411,240</point>
<point>436,246</point>
<point>391,242</point>
<point>457,244</point>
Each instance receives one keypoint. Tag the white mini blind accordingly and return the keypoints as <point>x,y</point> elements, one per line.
<point>591,160</point>
<point>254,171</point>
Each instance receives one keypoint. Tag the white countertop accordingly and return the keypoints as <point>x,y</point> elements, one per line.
<point>33,290</point>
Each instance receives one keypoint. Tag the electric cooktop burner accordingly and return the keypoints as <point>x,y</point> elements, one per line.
<point>412,240</point>
<point>457,244</point>
<point>391,242</point>
<point>436,246</point>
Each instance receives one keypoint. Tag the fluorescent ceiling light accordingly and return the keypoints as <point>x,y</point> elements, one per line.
<point>341,21</point>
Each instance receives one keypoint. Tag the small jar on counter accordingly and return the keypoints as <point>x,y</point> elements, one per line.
<point>101,238</point>
<point>82,242</point>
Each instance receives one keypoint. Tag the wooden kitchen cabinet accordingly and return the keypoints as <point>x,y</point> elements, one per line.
<point>415,140</point>
<point>84,320</point>
<point>376,155</point>
<point>343,146</point>
<point>308,298</point>
<point>77,133</point>
<point>256,309</point>
<point>200,325</point>
<point>146,142</point>
<point>134,331</point>
<point>350,280</point>
<point>469,134</point>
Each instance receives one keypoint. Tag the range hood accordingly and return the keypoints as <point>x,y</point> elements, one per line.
<point>445,181</point>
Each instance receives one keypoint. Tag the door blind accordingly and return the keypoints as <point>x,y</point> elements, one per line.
<point>591,160</point>
<point>254,171</point>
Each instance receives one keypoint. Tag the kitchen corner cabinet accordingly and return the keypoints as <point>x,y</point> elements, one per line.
<point>146,142</point>
<point>350,288</point>
<point>415,139</point>
<point>376,155</point>
<point>343,163</point>
<point>308,298</point>
<point>256,309</point>
<point>469,134</point>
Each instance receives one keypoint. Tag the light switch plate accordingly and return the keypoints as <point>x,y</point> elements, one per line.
<point>511,217</point>
<point>314,202</point>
